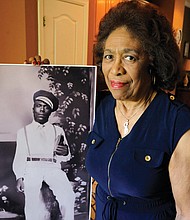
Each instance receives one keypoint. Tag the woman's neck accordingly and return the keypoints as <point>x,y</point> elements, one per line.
<point>132,105</point>
<point>128,112</point>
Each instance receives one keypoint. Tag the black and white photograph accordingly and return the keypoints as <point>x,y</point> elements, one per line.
<point>46,114</point>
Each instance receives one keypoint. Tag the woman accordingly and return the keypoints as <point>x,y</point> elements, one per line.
<point>139,148</point>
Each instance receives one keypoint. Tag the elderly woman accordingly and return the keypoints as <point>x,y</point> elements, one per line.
<point>139,148</point>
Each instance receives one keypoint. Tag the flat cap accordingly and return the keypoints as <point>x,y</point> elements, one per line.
<point>48,98</point>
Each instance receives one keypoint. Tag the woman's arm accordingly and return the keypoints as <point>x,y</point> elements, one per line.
<point>179,170</point>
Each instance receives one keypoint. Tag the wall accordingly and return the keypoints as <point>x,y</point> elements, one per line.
<point>31,17</point>
<point>18,23</point>
<point>91,30</point>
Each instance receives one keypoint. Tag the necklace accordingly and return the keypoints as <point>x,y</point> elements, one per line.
<point>126,123</point>
<point>145,104</point>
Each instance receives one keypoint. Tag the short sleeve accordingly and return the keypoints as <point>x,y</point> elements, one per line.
<point>182,124</point>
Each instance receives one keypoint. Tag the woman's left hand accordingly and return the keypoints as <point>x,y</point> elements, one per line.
<point>36,60</point>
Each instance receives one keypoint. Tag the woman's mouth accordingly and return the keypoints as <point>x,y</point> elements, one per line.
<point>117,84</point>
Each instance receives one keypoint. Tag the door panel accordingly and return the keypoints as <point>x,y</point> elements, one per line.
<point>63,31</point>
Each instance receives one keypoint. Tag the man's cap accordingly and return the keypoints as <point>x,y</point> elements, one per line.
<point>48,98</point>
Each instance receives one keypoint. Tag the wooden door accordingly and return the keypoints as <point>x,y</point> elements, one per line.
<point>63,31</point>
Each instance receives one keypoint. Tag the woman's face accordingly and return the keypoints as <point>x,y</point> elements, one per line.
<point>125,66</point>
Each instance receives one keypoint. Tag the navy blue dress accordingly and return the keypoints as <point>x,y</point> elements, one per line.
<point>132,172</point>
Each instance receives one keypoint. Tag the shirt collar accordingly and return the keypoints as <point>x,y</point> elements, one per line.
<point>37,125</point>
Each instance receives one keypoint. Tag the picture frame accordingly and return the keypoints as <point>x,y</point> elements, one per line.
<point>186,49</point>
<point>75,87</point>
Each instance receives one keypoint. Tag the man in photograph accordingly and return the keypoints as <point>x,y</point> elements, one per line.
<point>41,147</point>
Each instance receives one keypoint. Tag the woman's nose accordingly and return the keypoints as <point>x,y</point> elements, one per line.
<point>117,68</point>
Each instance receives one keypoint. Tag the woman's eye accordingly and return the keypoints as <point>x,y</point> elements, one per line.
<point>108,57</point>
<point>130,58</point>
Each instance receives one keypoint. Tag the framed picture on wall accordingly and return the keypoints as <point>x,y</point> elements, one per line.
<point>178,36</point>
<point>186,49</point>
<point>27,92</point>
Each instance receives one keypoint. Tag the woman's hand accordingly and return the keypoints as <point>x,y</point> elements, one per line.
<point>36,60</point>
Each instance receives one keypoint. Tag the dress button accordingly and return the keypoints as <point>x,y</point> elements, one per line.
<point>93,141</point>
<point>108,197</point>
<point>172,97</point>
<point>147,158</point>
<point>124,202</point>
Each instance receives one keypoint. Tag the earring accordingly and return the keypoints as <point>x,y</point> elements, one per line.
<point>154,80</point>
<point>152,76</point>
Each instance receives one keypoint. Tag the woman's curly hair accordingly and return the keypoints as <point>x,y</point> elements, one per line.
<point>153,31</point>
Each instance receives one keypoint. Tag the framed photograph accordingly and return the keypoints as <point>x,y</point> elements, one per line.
<point>74,87</point>
<point>186,49</point>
